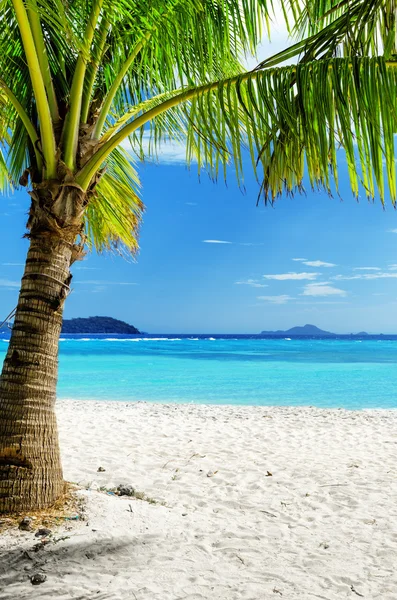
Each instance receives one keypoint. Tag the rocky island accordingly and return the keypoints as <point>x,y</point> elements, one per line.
<point>97,325</point>
<point>309,330</point>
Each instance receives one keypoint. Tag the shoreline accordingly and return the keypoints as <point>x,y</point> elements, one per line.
<point>239,503</point>
<point>222,405</point>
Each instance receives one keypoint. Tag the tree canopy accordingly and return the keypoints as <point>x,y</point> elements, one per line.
<point>89,88</point>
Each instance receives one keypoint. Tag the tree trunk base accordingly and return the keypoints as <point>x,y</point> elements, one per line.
<point>30,465</point>
<point>30,493</point>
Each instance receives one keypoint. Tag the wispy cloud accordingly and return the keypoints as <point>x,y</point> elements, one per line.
<point>318,263</point>
<point>365,276</point>
<point>10,284</point>
<point>251,244</point>
<point>252,282</point>
<point>191,203</point>
<point>293,276</point>
<point>392,230</point>
<point>84,268</point>
<point>371,268</point>
<point>216,242</point>
<point>10,264</point>
<point>322,289</point>
<point>313,303</point>
<point>283,299</point>
<point>314,263</point>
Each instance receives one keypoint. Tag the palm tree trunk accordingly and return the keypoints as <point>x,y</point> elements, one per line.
<point>30,466</point>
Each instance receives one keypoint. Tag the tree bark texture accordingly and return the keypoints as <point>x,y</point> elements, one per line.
<point>30,466</point>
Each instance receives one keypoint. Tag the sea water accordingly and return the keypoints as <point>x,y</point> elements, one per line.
<point>249,370</point>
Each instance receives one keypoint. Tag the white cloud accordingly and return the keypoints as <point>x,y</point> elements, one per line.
<point>318,263</point>
<point>191,203</point>
<point>216,242</point>
<point>169,152</point>
<point>293,276</point>
<point>372,268</point>
<point>12,264</point>
<point>365,276</point>
<point>322,289</point>
<point>392,230</point>
<point>322,303</point>
<point>84,268</point>
<point>283,299</point>
<point>314,263</point>
<point>252,282</point>
<point>10,284</point>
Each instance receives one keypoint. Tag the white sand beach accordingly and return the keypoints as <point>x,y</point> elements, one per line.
<point>251,504</point>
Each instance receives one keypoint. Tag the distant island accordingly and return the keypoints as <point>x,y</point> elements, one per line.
<point>309,330</point>
<point>97,325</point>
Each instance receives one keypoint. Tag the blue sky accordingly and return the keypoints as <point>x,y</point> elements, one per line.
<point>184,280</point>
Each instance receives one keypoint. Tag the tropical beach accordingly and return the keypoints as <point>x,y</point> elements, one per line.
<point>236,503</point>
<point>209,410</point>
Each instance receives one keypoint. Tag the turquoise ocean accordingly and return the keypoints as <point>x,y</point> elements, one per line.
<point>340,372</point>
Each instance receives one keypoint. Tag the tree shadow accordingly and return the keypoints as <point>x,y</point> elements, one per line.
<point>57,561</point>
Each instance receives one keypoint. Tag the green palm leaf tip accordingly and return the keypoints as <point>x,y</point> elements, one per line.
<point>5,183</point>
<point>115,212</point>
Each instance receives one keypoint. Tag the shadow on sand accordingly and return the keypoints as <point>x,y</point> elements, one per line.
<point>60,562</point>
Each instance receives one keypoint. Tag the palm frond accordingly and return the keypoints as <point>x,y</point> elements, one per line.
<point>115,212</point>
<point>180,42</point>
<point>358,27</point>
<point>316,108</point>
<point>292,118</point>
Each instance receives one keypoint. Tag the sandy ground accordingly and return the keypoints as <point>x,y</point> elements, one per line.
<point>251,504</point>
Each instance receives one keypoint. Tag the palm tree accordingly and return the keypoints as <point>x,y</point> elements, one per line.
<point>78,80</point>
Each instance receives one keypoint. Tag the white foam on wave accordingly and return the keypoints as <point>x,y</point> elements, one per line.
<point>111,339</point>
<point>161,339</point>
<point>80,339</point>
<point>288,339</point>
<point>139,339</point>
